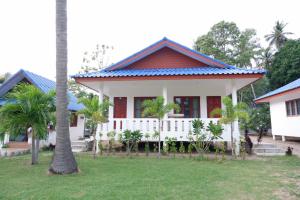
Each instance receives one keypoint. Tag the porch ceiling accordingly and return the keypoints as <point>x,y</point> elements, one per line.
<point>208,86</point>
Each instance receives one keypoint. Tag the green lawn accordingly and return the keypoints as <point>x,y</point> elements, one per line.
<point>150,178</point>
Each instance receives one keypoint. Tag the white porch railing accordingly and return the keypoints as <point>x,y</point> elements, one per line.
<point>171,127</point>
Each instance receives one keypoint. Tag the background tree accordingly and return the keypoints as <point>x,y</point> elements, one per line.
<point>4,77</point>
<point>285,67</point>
<point>29,107</point>
<point>226,42</point>
<point>278,37</point>
<point>96,113</point>
<point>157,108</point>
<point>92,61</point>
<point>230,114</point>
<point>63,160</point>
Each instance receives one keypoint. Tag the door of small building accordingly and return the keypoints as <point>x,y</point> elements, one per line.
<point>120,109</point>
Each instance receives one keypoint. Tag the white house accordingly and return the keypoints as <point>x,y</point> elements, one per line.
<point>193,80</point>
<point>45,85</point>
<point>284,109</point>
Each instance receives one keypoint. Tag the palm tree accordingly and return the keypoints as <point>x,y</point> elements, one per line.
<point>63,160</point>
<point>230,114</point>
<point>28,107</point>
<point>278,36</point>
<point>157,108</point>
<point>96,112</point>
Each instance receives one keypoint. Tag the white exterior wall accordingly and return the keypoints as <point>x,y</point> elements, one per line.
<point>283,125</point>
<point>78,131</point>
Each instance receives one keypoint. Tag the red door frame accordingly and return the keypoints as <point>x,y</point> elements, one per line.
<point>212,103</point>
<point>120,107</point>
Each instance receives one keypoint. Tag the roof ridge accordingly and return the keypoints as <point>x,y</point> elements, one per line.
<point>165,42</point>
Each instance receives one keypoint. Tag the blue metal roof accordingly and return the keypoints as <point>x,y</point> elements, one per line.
<point>293,85</point>
<point>169,72</point>
<point>40,82</point>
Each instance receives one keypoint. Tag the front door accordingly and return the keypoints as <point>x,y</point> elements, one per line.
<point>120,107</point>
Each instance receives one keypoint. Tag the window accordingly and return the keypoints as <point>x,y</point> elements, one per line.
<point>292,107</point>
<point>213,102</point>
<point>138,106</point>
<point>73,120</point>
<point>189,106</point>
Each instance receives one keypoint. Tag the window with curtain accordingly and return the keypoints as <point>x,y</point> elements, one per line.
<point>292,107</point>
<point>189,106</point>
<point>138,106</point>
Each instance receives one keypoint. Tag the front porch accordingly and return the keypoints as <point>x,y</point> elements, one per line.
<point>196,98</point>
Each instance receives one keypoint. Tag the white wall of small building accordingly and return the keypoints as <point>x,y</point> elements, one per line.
<point>77,131</point>
<point>283,125</point>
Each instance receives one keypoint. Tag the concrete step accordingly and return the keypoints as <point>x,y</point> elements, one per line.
<point>264,145</point>
<point>267,149</point>
<point>8,152</point>
<point>79,146</point>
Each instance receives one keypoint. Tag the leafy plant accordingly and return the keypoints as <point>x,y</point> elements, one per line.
<point>230,114</point>
<point>111,141</point>
<point>147,148</point>
<point>131,138</point>
<point>181,147</point>
<point>190,149</point>
<point>95,112</point>
<point>28,107</point>
<point>158,109</point>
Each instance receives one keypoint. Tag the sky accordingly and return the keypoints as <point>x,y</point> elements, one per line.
<point>27,28</point>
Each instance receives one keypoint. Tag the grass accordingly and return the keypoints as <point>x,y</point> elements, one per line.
<point>150,178</point>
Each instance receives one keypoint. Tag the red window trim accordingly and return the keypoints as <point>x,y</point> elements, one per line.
<point>142,98</point>
<point>191,106</point>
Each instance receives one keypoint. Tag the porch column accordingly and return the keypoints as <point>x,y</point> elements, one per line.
<point>236,131</point>
<point>165,96</point>
<point>100,128</point>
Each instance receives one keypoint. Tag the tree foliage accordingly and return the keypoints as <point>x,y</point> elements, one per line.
<point>230,114</point>
<point>95,112</point>
<point>226,42</point>
<point>27,107</point>
<point>285,67</point>
<point>157,108</point>
<point>278,37</point>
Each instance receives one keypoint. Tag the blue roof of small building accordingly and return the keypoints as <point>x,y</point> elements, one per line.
<point>40,82</point>
<point>169,72</point>
<point>293,85</point>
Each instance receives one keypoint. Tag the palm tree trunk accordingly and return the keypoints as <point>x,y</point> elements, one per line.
<point>33,149</point>
<point>37,148</point>
<point>232,145</point>
<point>63,160</point>
<point>94,143</point>
<point>159,128</point>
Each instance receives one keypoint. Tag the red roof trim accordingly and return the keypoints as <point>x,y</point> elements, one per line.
<point>269,98</point>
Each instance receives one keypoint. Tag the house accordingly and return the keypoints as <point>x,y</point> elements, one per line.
<point>284,109</point>
<point>45,85</point>
<point>193,80</point>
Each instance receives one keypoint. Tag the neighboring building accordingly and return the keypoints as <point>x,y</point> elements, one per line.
<point>45,85</point>
<point>284,109</point>
<point>193,80</point>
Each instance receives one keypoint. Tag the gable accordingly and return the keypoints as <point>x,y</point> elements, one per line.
<point>177,48</point>
<point>165,58</point>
